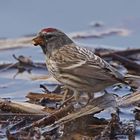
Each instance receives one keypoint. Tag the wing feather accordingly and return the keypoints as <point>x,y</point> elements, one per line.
<point>84,63</point>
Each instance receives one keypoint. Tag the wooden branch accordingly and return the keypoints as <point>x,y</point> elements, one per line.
<point>129,99</point>
<point>38,96</point>
<point>50,119</point>
<point>115,128</point>
<point>16,43</point>
<point>126,62</point>
<point>121,56</point>
<point>122,53</point>
<point>95,106</point>
<point>131,65</point>
<point>19,107</point>
<point>99,34</point>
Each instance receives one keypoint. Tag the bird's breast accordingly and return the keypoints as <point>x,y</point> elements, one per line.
<point>52,68</point>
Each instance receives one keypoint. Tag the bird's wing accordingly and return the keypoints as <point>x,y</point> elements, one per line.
<point>83,62</point>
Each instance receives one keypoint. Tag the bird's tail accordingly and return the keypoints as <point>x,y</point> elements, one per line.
<point>132,80</point>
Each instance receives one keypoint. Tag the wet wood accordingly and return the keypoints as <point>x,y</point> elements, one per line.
<point>126,62</point>
<point>4,115</point>
<point>96,105</point>
<point>23,63</point>
<point>115,128</point>
<point>121,56</point>
<point>15,43</point>
<point>38,96</point>
<point>99,34</point>
<point>129,64</point>
<point>20,107</point>
<point>51,118</point>
<point>25,117</point>
<point>124,53</point>
<point>131,99</point>
<point>48,78</point>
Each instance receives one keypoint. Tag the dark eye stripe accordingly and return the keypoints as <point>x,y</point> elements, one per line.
<point>49,36</point>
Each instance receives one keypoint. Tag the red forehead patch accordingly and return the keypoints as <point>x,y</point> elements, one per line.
<point>48,30</point>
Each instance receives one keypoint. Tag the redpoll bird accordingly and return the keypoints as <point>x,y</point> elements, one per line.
<point>77,68</point>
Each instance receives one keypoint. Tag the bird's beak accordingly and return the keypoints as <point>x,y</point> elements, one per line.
<point>37,41</point>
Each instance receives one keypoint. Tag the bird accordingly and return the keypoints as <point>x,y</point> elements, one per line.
<point>75,67</point>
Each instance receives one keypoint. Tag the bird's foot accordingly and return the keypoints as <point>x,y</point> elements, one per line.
<point>82,99</point>
<point>66,101</point>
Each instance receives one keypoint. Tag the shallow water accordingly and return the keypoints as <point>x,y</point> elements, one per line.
<point>20,18</point>
<point>10,86</point>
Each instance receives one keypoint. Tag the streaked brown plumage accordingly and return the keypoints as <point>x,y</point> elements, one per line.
<point>77,68</point>
<point>82,71</point>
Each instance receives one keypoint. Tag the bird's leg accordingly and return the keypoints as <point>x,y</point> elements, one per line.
<point>64,100</point>
<point>76,95</point>
<point>89,97</point>
<point>82,102</point>
<point>67,91</point>
<point>65,95</point>
<point>116,109</point>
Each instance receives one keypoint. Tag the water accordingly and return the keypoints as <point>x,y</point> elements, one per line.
<point>19,18</point>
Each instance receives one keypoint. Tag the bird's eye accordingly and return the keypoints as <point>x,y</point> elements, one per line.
<point>49,36</point>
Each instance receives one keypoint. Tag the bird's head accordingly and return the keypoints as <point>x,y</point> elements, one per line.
<point>50,39</point>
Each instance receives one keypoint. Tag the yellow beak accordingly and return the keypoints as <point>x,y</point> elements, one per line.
<point>38,41</point>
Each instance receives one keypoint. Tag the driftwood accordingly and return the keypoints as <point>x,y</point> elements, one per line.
<point>121,56</point>
<point>65,113</point>
<point>96,105</point>
<point>127,62</point>
<point>38,96</point>
<point>24,63</point>
<point>101,103</point>
<point>131,99</point>
<point>111,130</point>
<point>69,114</point>
<point>20,107</point>
<point>115,128</point>
<point>48,78</point>
<point>8,115</point>
<point>125,53</point>
<point>51,118</point>
<point>99,34</point>
<point>15,43</point>
<point>26,116</point>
